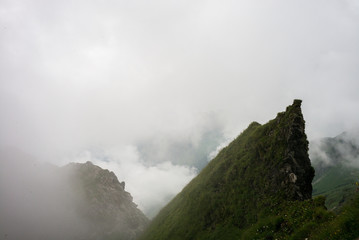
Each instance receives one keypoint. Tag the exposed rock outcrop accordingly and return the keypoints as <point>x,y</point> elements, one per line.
<point>107,207</point>
<point>296,170</point>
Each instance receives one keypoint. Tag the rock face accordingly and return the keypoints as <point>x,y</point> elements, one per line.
<point>107,207</point>
<point>296,172</point>
<point>266,166</point>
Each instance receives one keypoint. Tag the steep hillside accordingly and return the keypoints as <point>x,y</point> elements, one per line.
<point>337,184</point>
<point>264,169</point>
<point>336,161</point>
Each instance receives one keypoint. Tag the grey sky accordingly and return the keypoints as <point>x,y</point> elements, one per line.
<point>119,75</point>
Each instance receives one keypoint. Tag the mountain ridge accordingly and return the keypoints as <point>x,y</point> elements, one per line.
<point>263,167</point>
<point>77,201</point>
<point>110,210</point>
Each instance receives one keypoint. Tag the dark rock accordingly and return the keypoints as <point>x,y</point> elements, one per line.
<point>122,185</point>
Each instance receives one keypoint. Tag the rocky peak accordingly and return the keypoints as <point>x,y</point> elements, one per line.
<point>90,172</point>
<point>296,172</point>
<point>107,207</point>
<point>282,148</point>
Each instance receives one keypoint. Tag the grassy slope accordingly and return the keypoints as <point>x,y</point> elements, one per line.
<point>337,184</point>
<point>308,219</point>
<point>344,226</point>
<point>238,189</point>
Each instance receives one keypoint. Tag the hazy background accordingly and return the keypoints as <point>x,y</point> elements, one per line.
<point>151,89</point>
<point>37,201</point>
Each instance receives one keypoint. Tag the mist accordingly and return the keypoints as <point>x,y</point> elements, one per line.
<point>153,89</point>
<point>340,150</point>
<point>37,200</point>
<point>152,186</point>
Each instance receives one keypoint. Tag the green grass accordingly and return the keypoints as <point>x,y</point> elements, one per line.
<point>337,184</point>
<point>344,226</point>
<point>298,220</point>
<point>290,220</point>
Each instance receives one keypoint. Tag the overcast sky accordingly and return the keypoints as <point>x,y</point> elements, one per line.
<point>150,89</point>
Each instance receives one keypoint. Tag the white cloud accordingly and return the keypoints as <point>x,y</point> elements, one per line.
<point>75,74</point>
<point>340,150</point>
<point>318,154</point>
<point>151,186</point>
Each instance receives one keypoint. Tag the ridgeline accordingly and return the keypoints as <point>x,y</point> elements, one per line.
<point>258,187</point>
